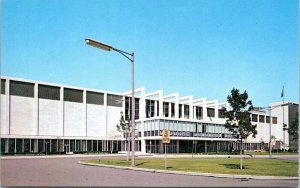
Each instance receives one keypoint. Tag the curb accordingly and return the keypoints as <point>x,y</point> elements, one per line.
<point>194,173</point>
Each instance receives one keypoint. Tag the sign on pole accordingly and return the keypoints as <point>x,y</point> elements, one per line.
<point>166,140</point>
<point>166,136</point>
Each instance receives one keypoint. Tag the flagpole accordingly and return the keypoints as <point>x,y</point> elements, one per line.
<point>283,125</point>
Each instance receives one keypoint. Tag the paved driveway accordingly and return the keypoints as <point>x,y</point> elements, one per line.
<point>67,172</point>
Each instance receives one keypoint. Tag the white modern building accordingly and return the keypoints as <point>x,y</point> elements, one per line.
<point>40,117</point>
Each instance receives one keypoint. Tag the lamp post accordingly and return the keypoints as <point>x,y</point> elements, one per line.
<point>270,108</point>
<point>130,57</point>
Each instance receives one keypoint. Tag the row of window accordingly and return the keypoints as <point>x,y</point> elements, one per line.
<point>25,89</point>
<point>172,125</point>
<point>263,119</point>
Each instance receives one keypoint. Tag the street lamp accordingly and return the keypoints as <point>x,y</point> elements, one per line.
<point>130,57</point>
<point>270,108</point>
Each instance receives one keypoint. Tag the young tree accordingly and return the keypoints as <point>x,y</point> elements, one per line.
<point>124,127</point>
<point>238,119</point>
<point>293,127</point>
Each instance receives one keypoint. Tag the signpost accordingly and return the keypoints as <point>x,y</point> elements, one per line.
<point>166,140</point>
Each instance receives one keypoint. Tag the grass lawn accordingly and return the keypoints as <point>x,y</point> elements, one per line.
<point>252,166</point>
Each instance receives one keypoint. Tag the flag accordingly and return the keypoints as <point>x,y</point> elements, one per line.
<point>282,92</point>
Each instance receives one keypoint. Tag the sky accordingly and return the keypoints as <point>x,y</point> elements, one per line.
<point>202,48</point>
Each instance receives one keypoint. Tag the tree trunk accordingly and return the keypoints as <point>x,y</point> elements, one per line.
<point>241,149</point>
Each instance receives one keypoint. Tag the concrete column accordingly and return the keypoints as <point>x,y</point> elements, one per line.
<point>160,104</point>
<point>36,146</point>
<point>216,110</point>
<point>191,113</point>
<point>6,145</point>
<point>61,108</point>
<point>7,110</point>
<point>204,110</point>
<point>143,146</point>
<point>176,107</point>
<point>142,107</point>
<point>15,150</point>
<point>194,112</point>
<point>36,108</point>
<point>205,146</point>
<point>105,113</point>
<point>84,112</point>
<point>155,108</point>
<point>23,148</point>
<point>177,146</point>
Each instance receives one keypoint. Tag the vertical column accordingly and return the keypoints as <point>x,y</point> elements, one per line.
<point>216,109</point>
<point>204,110</point>
<point>191,113</point>
<point>161,147</point>
<point>6,145</point>
<point>143,146</point>
<point>105,113</point>
<point>84,112</point>
<point>61,108</point>
<point>176,106</point>
<point>177,146</point>
<point>205,146</point>
<point>36,108</point>
<point>7,94</point>
<point>182,111</point>
<point>15,150</point>
<point>160,96</point>
<point>194,112</point>
<point>23,145</point>
<point>142,108</point>
<point>36,146</point>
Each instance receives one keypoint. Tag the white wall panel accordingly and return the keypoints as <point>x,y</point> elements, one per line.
<point>22,116</point>
<point>49,118</point>
<point>96,125</point>
<point>113,117</point>
<point>74,122</point>
<point>4,122</point>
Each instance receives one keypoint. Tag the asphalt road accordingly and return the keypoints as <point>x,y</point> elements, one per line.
<point>67,172</point>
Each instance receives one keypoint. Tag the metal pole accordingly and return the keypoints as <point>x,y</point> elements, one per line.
<point>165,156</point>
<point>283,127</point>
<point>132,113</point>
<point>270,145</point>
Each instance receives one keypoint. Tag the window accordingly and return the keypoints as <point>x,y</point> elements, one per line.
<point>261,118</point>
<point>166,109</point>
<point>73,95</point>
<point>198,112</point>
<point>254,117</point>
<point>95,98</point>
<point>186,111</point>
<point>274,120</point>
<point>180,110</point>
<point>128,108</point>
<point>221,113</point>
<point>267,119</point>
<point>149,108</point>
<point>157,108</point>
<point>21,89</point>
<point>172,110</point>
<point>3,86</point>
<point>210,112</point>
<point>49,92</point>
<point>114,100</point>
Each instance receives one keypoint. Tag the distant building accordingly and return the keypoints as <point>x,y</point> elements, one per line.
<point>40,117</point>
